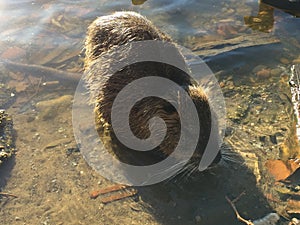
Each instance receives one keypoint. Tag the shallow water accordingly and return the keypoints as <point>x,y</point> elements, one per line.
<point>51,178</point>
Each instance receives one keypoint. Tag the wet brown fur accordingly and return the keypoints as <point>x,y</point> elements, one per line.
<point>109,32</point>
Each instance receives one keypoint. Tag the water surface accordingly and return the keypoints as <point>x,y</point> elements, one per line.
<point>51,178</point>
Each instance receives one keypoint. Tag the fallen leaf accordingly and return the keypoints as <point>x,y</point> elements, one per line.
<point>13,53</point>
<point>278,169</point>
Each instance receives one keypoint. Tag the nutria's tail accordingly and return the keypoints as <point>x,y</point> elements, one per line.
<point>118,29</point>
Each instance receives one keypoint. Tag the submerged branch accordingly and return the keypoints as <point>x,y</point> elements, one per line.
<point>39,70</point>
<point>222,46</point>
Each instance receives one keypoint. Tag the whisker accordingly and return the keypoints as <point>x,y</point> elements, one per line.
<point>179,164</point>
<point>192,171</point>
<point>233,160</point>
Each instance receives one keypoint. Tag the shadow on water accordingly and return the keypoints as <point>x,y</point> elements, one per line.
<point>5,174</point>
<point>244,59</point>
<point>5,170</point>
<point>8,138</point>
<point>201,198</point>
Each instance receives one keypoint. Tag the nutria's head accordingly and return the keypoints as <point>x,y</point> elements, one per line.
<point>108,32</point>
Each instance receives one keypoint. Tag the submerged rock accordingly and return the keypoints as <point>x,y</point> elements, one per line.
<point>49,109</point>
<point>6,136</point>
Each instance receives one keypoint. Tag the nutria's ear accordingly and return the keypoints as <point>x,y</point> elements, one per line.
<point>197,94</point>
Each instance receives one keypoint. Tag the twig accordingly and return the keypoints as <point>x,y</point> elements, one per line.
<point>293,211</point>
<point>237,213</point>
<point>7,195</point>
<point>118,196</point>
<point>238,197</point>
<point>110,189</point>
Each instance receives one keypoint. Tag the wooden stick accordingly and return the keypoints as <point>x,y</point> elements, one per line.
<point>237,213</point>
<point>221,46</point>
<point>39,70</point>
<point>117,187</point>
<point>7,195</point>
<point>118,196</point>
<point>238,197</point>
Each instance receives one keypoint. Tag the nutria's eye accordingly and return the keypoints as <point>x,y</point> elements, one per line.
<point>169,108</point>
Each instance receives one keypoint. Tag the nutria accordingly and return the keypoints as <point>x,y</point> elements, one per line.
<point>109,32</point>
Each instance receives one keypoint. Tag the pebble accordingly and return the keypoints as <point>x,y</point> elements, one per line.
<point>284,61</point>
<point>296,61</point>
<point>222,84</point>
<point>36,136</point>
<point>61,129</point>
<point>30,119</point>
<point>258,68</point>
<point>224,10</point>
<point>264,73</point>
<point>101,206</point>
<point>198,219</point>
<point>276,72</point>
<point>230,11</point>
<point>13,53</point>
<point>294,221</point>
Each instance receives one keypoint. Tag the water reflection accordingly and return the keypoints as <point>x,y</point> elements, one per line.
<point>264,21</point>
